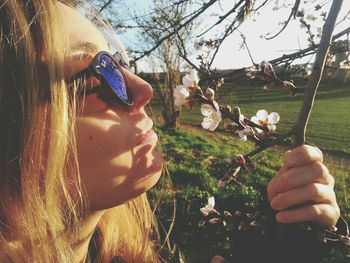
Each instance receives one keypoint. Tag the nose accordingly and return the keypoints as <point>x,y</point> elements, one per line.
<point>141,90</point>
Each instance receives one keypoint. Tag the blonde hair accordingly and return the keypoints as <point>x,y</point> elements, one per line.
<point>41,197</point>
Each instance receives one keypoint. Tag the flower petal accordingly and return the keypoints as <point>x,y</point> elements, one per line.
<point>242,136</point>
<point>213,125</point>
<point>211,201</point>
<point>273,118</point>
<point>255,120</point>
<point>262,115</point>
<point>271,127</point>
<point>206,123</point>
<point>207,109</point>
<point>181,91</point>
<point>194,76</point>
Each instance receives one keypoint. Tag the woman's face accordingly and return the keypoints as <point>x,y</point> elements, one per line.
<point>116,144</point>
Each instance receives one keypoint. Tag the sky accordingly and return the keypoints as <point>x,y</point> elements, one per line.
<point>254,28</point>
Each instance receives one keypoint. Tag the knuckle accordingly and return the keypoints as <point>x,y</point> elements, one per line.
<point>320,171</point>
<point>284,181</point>
<point>316,191</point>
<point>315,212</point>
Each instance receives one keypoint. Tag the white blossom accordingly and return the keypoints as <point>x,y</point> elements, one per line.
<point>209,208</point>
<point>265,119</point>
<point>181,95</point>
<point>190,80</point>
<point>212,116</point>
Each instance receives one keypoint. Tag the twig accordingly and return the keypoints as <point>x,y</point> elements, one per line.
<point>160,41</point>
<point>105,5</point>
<point>292,14</point>
<point>246,46</point>
<point>222,18</point>
<point>285,58</point>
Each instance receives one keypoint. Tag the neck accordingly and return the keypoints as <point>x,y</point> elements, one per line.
<point>82,239</point>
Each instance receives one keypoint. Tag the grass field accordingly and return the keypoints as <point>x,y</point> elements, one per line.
<point>329,122</point>
<point>195,159</point>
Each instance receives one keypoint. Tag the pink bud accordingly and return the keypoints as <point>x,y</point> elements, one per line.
<point>345,240</point>
<point>227,214</point>
<point>254,223</point>
<point>240,159</point>
<point>222,183</point>
<point>238,213</point>
<point>202,223</point>
<point>214,220</point>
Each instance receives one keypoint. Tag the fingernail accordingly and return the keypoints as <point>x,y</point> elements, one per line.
<point>281,217</point>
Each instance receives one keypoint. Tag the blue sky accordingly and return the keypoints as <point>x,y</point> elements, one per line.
<point>231,56</point>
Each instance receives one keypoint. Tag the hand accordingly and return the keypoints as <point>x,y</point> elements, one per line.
<point>302,190</point>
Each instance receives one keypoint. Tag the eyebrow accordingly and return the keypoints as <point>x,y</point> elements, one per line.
<point>88,47</point>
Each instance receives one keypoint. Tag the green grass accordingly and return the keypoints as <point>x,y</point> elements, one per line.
<point>329,122</point>
<point>195,161</point>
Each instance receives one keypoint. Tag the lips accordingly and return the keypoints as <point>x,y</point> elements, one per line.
<point>148,137</point>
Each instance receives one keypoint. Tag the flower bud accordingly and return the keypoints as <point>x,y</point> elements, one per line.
<point>240,160</point>
<point>227,214</point>
<point>209,94</point>
<point>214,220</point>
<point>237,111</point>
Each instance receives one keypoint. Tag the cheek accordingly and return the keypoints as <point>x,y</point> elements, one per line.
<point>99,140</point>
<point>112,170</point>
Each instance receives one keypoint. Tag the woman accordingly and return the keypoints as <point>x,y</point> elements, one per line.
<point>76,159</point>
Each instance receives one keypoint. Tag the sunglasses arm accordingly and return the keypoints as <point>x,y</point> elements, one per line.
<point>82,75</point>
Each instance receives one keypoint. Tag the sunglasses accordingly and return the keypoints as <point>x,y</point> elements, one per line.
<point>107,70</point>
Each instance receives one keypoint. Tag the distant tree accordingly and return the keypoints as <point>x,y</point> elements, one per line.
<point>166,57</point>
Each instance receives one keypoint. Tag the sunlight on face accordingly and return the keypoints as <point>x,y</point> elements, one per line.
<point>116,145</point>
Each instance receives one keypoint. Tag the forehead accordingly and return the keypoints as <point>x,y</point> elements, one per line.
<point>78,30</point>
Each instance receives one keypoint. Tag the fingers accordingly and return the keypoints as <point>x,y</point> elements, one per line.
<point>312,193</point>
<point>302,155</point>
<point>322,214</point>
<point>302,190</point>
<point>295,177</point>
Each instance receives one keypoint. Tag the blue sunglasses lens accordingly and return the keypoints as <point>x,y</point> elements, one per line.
<point>112,75</point>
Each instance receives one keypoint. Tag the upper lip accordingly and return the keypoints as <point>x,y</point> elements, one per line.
<point>140,136</point>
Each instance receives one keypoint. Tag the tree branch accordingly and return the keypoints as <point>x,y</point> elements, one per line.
<point>200,11</point>
<point>290,57</point>
<point>316,75</point>
<point>105,5</point>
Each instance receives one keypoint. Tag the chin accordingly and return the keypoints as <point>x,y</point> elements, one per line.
<point>147,178</point>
